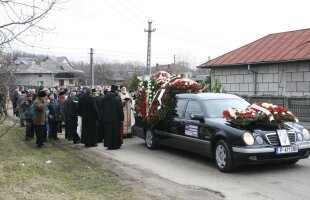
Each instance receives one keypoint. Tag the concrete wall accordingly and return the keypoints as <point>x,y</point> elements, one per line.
<point>33,80</point>
<point>288,79</point>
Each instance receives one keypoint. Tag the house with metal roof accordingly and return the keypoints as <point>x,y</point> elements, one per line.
<point>48,72</point>
<point>277,64</point>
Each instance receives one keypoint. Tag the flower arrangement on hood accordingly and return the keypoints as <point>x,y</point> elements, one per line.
<point>263,113</point>
<point>279,114</point>
<point>240,117</point>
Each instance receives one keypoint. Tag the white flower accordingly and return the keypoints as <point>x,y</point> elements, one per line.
<point>283,113</point>
<point>275,113</point>
<point>289,112</point>
<point>265,104</point>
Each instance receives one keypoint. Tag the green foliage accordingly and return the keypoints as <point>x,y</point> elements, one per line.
<point>217,87</point>
<point>134,83</point>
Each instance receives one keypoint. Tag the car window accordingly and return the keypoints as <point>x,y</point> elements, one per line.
<point>179,108</point>
<point>215,107</point>
<point>193,107</point>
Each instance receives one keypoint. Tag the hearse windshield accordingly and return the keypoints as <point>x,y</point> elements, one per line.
<point>215,107</point>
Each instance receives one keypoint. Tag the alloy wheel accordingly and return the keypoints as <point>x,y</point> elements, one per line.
<point>221,156</point>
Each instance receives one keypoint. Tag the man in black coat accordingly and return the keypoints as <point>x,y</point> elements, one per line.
<point>112,116</point>
<point>89,114</point>
<point>100,131</point>
<point>54,116</point>
<point>72,111</point>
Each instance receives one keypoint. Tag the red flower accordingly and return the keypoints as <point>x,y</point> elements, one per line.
<point>226,114</point>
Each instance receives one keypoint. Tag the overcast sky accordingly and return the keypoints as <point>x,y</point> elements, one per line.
<point>192,30</point>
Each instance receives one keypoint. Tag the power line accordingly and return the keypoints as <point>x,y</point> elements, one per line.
<point>181,28</point>
<point>139,9</point>
<point>132,13</point>
<point>120,13</point>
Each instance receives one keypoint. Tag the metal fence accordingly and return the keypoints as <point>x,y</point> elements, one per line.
<point>300,106</point>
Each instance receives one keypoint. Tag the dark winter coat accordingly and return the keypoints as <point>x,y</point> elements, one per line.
<point>54,111</point>
<point>27,109</point>
<point>72,107</point>
<point>98,104</point>
<point>112,108</point>
<point>88,109</point>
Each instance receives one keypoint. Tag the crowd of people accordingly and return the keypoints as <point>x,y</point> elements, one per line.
<point>90,116</point>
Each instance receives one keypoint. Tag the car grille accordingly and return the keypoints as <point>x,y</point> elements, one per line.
<point>272,137</point>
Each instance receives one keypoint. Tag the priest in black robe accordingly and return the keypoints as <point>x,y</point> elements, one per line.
<point>89,113</point>
<point>112,116</point>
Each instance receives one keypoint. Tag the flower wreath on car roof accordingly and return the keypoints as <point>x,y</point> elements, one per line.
<point>260,113</point>
<point>155,93</point>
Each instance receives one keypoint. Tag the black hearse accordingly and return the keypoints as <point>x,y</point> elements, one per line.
<point>195,123</point>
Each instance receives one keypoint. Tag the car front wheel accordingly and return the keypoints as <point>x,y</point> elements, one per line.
<point>150,139</point>
<point>223,157</point>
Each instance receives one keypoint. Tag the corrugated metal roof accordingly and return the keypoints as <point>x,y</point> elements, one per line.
<point>277,47</point>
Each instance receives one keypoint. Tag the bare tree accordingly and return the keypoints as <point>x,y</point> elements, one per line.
<point>18,17</point>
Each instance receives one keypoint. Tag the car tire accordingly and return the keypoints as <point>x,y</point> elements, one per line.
<point>223,157</point>
<point>150,139</point>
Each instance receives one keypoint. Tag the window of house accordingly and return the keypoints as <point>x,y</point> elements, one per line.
<point>70,81</point>
<point>193,107</point>
<point>179,108</point>
<point>40,83</point>
<point>61,82</point>
<point>40,75</point>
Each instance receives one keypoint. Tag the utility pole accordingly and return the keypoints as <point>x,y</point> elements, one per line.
<point>174,59</point>
<point>148,57</point>
<point>91,67</point>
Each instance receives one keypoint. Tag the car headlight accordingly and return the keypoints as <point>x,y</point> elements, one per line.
<point>248,138</point>
<point>306,134</point>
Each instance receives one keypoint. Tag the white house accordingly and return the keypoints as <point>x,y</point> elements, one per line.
<point>48,72</point>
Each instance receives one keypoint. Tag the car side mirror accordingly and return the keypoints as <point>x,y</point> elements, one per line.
<point>198,117</point>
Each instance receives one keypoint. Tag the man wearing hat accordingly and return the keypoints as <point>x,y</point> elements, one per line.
<point>89,113</point>
<point>71,109</point>
<point>39,117</point>
<point>112,116</point>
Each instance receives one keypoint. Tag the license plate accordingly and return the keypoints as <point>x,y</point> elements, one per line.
<point>284,150</point>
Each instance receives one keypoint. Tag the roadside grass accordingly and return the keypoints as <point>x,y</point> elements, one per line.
<point>26,174</point>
